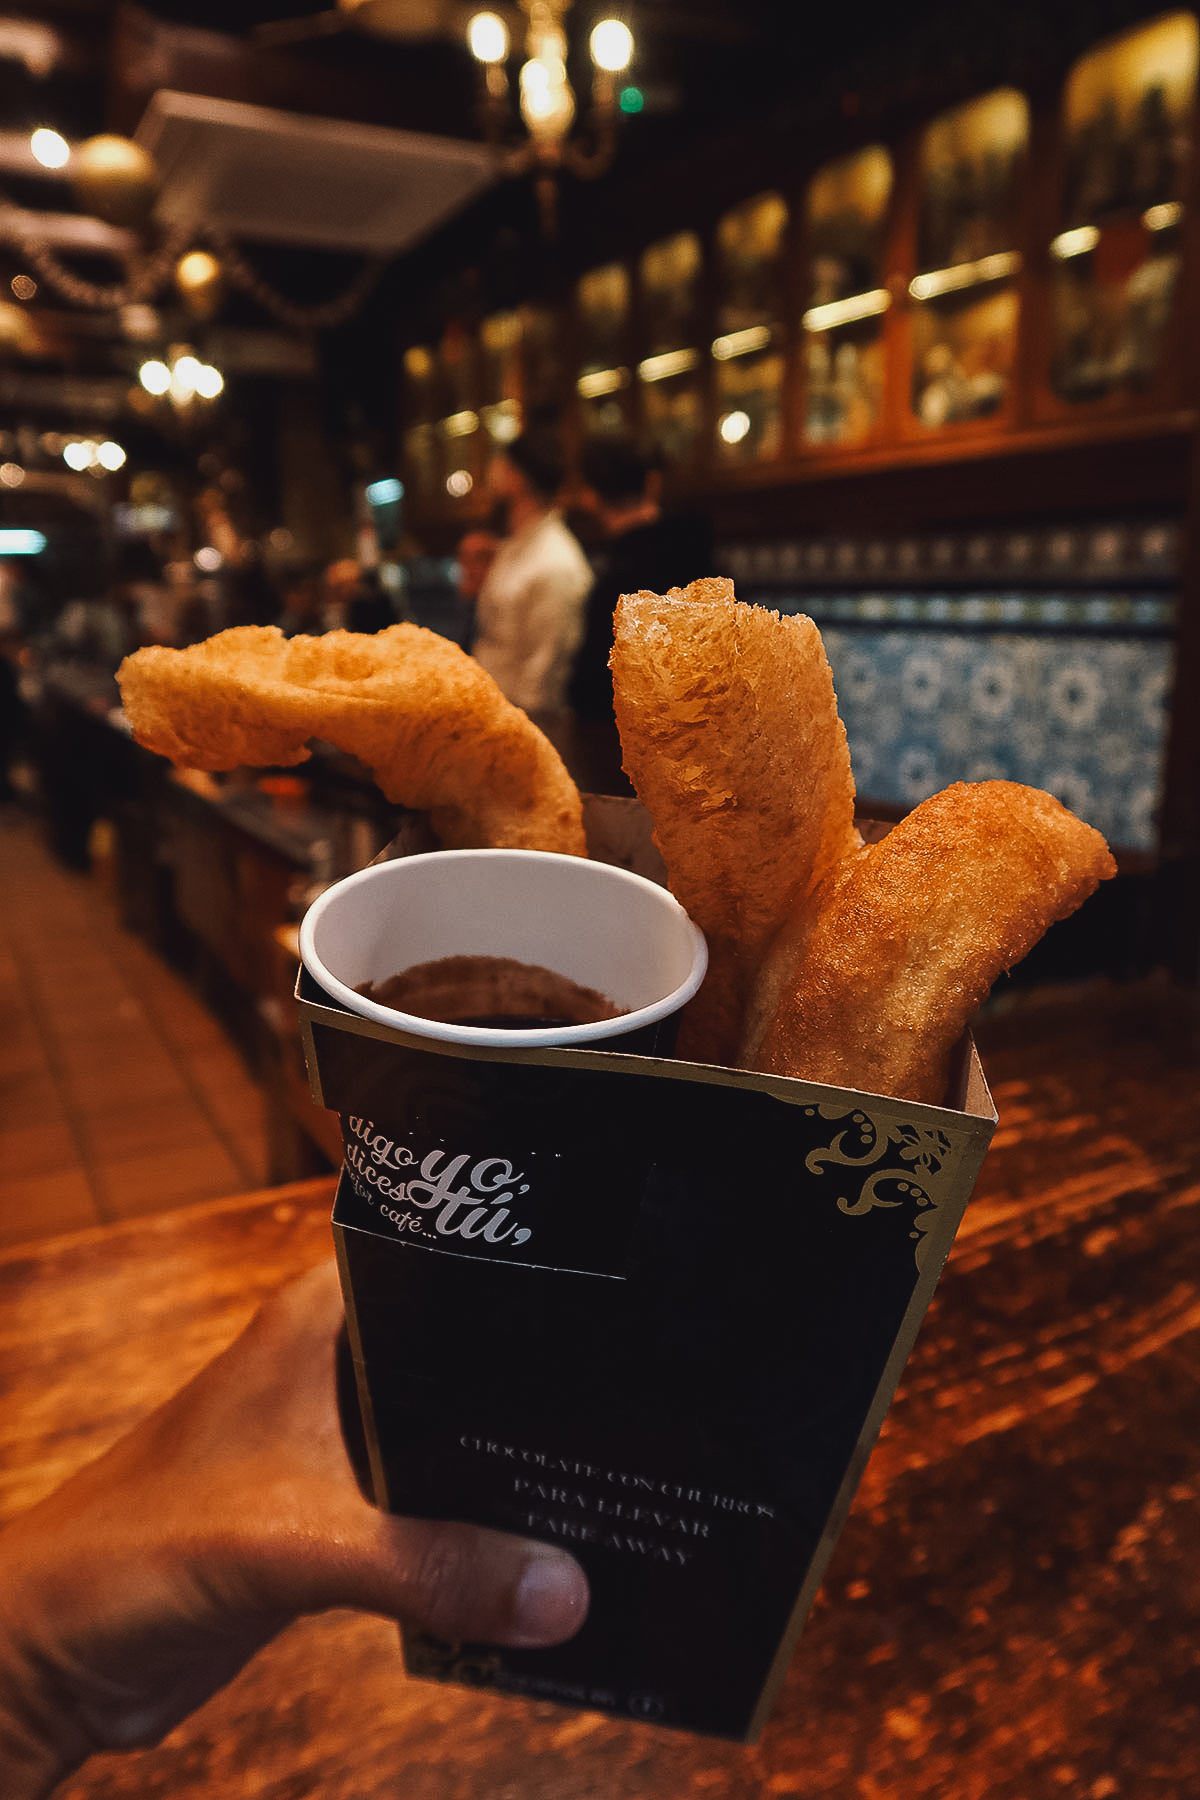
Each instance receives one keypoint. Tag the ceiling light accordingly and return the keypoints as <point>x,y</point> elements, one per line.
<point>155,377</point>
<point>185,378</point>
<point>459,482</point>
<point>741,343</point>
<point>51,150</point>
<point>208,558</point>
<point>611,45</point>
<point>78,456</point>
<point>502,421</point>
<point>547,103</point>
<point>487,37</point>
<point>209,381</point>
<point>184,371</point>
<point>846,312</point>
<point>734,427</point>
<point>598,382</point>
<point>115,179</point>
<point>110,456</point>
<point>964,275</point>
<point>546,99</point>
<point>1074,243</point>
<point>668,363</point>
<point>1161,218</point>
<point>200,280</point>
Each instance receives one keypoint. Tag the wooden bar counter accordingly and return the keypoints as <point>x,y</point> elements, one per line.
<point>1013,1612</point>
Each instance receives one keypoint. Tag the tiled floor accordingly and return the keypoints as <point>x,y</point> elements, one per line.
<point>119,1094</point>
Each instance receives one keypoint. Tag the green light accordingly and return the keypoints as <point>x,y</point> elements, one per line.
<point>631,100</point>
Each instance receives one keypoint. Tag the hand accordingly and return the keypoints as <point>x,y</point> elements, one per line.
<point>154,1574</point>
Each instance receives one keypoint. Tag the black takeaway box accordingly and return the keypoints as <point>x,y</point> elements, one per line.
<point>666,1339</point>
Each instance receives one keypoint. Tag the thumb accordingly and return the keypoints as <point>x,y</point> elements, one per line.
<point>462,1581</point>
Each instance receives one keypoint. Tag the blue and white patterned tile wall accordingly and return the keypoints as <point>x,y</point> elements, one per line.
<point>1124,551</point>
<point>1082,716</point>
<point>944,673</point>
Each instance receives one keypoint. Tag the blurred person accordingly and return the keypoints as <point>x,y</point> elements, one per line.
<point>154,1574</point>
<point>475,556</point>
<point>250,595</point>
<point>643,548</point>
<point>338,587</point>
<point>101,632</point>
<point>529,615</point>
<point>372,609</point>
<point>140,572</point>
<point>354,601</point>
<point>303,612</point>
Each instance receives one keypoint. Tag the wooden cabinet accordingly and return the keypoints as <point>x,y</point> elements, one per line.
<point>1012,270</point>
<point>967,326</point>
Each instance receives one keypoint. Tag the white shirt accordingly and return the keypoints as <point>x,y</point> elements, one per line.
<point>530,614</point>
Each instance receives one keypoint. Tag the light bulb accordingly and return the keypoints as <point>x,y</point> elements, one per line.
<point>487,37</point>
<point>51,150</point>
<point>184,374</point>
<point>611,45</point>
<point>209,381</point>
<point>1155,218</point>
<point>155,377</point>
<point>535,78</point>
<point>111,456</point>
<point>1074,243</point>
<point>547,103</point>
<point>734,427</point>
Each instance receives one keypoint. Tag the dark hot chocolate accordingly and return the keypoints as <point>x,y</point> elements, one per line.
<point>491,992</point>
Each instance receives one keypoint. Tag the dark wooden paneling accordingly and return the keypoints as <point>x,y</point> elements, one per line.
<point>1029,476</point>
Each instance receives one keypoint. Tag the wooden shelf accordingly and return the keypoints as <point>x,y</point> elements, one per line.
<point>1053,470</point>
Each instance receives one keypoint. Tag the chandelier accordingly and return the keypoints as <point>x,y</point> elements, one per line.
<point>182,379</point>
<point>546,98</point>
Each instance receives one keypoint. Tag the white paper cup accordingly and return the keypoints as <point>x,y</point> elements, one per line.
<point>598,925</point>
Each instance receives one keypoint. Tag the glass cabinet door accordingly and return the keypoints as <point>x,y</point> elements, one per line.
<point>1127,114</point>
<point>748,350</point>
<point>846,211</point>
<point>669,373</point>
<point>541,359</point>
<point>420,411</point>
<point>459,426</point>
<point>964,316</point>
<point>499,383</point>
<point>602,310</point>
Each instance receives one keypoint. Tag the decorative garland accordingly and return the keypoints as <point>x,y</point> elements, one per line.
<point>153,274</point>
<point>301,318</point>
<point>156,270</point>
